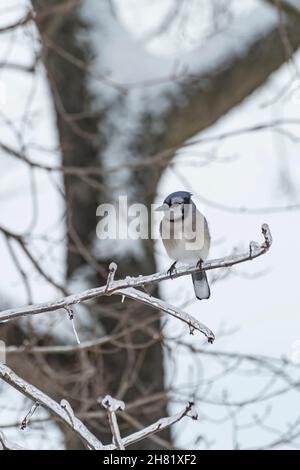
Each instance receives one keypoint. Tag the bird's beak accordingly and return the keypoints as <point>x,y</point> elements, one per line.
<point>163,208</point>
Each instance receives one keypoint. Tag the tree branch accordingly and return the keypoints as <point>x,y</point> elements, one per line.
<point>127,287</point>
<point>70,348</point>
<point>159,425</point>
<point>60,411</point>
<point>169,309</point>
<point>64,413</point>
<point>112,406</point>
<point>21,22</point>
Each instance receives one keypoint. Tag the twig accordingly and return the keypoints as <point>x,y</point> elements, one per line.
<point>71,348</point>
<point>169,309</point>
<point>64,413</point>
<point>159,441</point>
<point>21,22</point>
<point>159,425</point>
<point>29,415</point>
<point>112,406</point>
<point>70,313</point>
<point>66,406</point>
<point>111,275</point>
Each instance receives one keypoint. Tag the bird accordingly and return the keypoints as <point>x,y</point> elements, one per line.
<point>185,234</point>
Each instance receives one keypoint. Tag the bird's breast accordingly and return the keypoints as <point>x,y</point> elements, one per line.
<point>182,242</point>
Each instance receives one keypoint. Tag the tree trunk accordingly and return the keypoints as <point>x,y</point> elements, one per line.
<point>81,146</point>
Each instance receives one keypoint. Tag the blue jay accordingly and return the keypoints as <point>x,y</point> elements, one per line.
<point>185,235</point>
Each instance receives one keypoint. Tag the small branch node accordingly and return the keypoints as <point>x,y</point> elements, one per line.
<point>267,236</point>
<point>111,275</point>
<point>192,329</point>
<point>112,404</point>
<point>29,415</point>
<point>67,407</point>
<point>192,412</point>
<point>253,249</point>
<point>70,313</point>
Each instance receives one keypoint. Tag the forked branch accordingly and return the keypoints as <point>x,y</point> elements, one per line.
<point>64,413</point>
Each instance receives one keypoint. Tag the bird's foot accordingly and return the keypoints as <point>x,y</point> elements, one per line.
<point>199,263</point>
<point>172,269</point>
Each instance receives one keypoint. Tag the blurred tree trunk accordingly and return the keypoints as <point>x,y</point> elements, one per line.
<point>81,146</point>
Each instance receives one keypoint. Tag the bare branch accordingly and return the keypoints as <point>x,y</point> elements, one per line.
<point>88,344</point>
<point>70,313</point>
<point>111,275</point>
<point>64,413</point>
<point>19,239</point>
<point>169,309</point>
<point>160,425</point>
<point>56,409</point>
<point>124,287</point>
<point>17,67</point>
<point>29,415</point>
<point>112,406</point>
<point>21,22</point>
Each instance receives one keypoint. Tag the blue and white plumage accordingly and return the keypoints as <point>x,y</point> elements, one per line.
<point>185,235</point>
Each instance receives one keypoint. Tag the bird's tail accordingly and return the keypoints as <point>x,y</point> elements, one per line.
<point>201,286</point>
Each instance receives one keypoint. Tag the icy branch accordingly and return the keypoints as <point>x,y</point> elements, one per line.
<point>112,406</point>
<point>64,413</point>
<point>111,275</point>
<point>160,425</point>
<point>169,309</point>
<point>60,411</point>
<point>71,318</point>
<point>29,415</point>
<point>127,287</point>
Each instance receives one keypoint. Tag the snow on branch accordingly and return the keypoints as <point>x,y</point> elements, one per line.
<point>61,411</point>
<point>161,424</point>
<point>169,309</point>
<point>112,406</point>
<point>64,413</point>
<point>128,287</point>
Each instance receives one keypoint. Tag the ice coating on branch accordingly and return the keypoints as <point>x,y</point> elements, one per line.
<point>112,404</point>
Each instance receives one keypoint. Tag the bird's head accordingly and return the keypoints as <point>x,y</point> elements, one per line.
<point>174,204</point>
